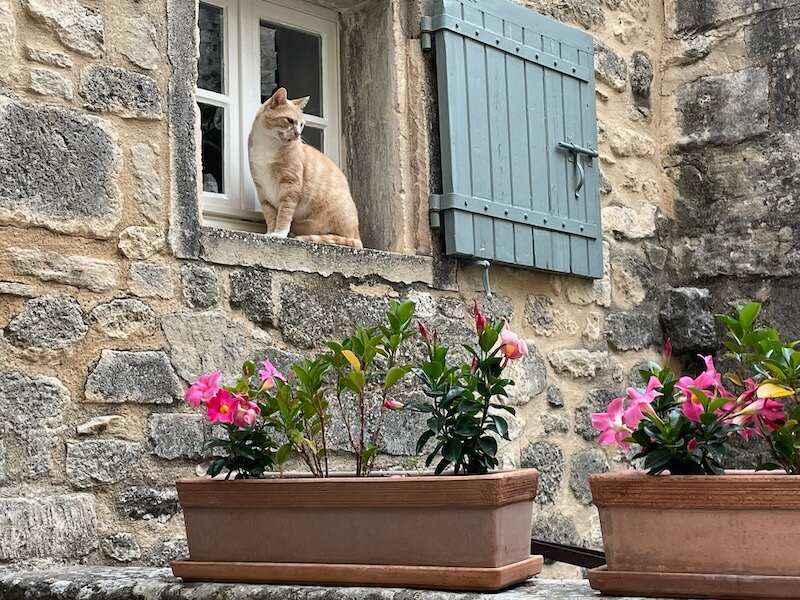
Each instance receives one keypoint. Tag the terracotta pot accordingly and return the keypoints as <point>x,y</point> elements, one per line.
<point>723,537</point>
<point>437,524</point>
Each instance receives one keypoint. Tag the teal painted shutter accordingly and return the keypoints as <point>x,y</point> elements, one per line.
<point>518,137</point>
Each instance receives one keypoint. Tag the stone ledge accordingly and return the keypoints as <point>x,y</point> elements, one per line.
<point>243,248</point>
<point>134,583</point>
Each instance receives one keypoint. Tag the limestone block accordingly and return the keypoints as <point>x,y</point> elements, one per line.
<point>140,243</point>
<point>50,83</point>
<point>548,458</point>
<point>124,318</point>
<point>47,323</point>
<point>251,292</point>
<point>94,274</point>
<point>147,191</point>
<point>200,286</point>
<point>151,280</point>
<point>125,93</point>
<point>148,503</point>
<point>586,462</point>
<point>139,43</point>
<point>632,331</point>
<point>103,461</point>
<point>144,377</point>
<point>48,57</point>
<point>579,362</point>
<point>60,169</point>
<point>177,435</point>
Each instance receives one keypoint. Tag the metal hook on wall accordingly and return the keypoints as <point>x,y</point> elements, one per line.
<point>484,264</point>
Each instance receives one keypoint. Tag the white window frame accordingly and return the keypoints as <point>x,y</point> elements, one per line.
<point>238,206</point>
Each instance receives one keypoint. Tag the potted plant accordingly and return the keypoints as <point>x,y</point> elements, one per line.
<point>686,527</point>
<point>252,521</point>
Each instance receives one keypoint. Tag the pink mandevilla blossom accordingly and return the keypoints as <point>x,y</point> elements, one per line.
<point>611,425</point>
<point>480,319</point>
<point>222,407</point>
<point>269,373</point>
<point>709,382</point>
<point>511,346</point>
<point>424,331</point>
<point>203,389</point>
<point>641,401</point>
<point>691,446</point>
<point>392,404</point>
<point>618,422</point>
<point>246,413</point>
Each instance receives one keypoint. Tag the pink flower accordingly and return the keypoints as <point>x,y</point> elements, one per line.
<point>692,408</point>
<point>424,331</point>
<point>222,407</point>
<point>480,320</point>
<point>692,445</point>
<point>268,374</point>
<point>392,404</point>
<point>203,389</point>
<point>511,346</point>
<point>246,413</point>
<point>667,350</point>
<point>611,425</point>
<point>641,401</point>
<point>709,380</point>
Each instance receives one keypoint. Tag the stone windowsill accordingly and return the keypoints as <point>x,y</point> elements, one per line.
<point>113,583</point>
<point>242,248</point>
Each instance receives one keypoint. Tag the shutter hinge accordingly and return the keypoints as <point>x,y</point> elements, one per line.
<point>435,205</point>
<point>426,26</point>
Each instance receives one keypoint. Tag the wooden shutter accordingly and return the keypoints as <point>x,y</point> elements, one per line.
<point>518,137</point>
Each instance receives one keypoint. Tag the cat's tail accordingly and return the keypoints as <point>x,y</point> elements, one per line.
<point>331,239</point>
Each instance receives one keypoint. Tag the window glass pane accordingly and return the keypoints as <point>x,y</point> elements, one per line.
<point>212,128</point>
<point>313,137</point>
<point>291,59</point>
<point>210,67</point>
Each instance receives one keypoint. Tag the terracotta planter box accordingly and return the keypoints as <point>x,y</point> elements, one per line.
<point>466,532</point>
<point>730,536</point>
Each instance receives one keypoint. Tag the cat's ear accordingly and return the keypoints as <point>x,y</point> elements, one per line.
<point>301,102</point>
<point>278,98</point>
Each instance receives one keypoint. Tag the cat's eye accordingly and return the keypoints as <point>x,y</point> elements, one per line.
<point>291,121</point>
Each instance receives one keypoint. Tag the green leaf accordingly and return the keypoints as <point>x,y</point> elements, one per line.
<point>488,444</point>
<point>423,440</point>
<point>282,455</point>
<point>748,314</point>
<point>443,464</point>
<point>452,450</point>
<point>394,375</point>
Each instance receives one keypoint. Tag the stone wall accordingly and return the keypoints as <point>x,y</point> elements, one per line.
<point>103,325</point>
<point>731,87</point>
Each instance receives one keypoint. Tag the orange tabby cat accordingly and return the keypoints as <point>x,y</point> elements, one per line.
<point>302,193</point>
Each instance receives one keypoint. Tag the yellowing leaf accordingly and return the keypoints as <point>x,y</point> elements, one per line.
<point>352,359</point>
<point>771,390</point>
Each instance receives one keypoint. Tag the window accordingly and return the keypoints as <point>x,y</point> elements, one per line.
<point>249,48</point>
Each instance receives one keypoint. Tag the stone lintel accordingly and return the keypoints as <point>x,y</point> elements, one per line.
<point>243,248</point>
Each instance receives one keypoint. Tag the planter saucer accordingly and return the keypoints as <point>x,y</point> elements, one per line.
<point>693,585</point>
<point>443,578</point>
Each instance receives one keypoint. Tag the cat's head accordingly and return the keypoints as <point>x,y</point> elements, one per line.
<point>281,117</point>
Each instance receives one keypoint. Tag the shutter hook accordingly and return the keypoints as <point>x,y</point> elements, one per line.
<point>484,264</point>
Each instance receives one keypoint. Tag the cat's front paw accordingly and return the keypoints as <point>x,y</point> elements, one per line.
<point>279,234</point>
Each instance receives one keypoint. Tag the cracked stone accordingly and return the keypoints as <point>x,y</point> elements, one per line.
<point>688,322</point>
<point>139,43</point>
<point>77,27</point>
<point>140,243</point>
<point>548,458</point>
<point>145,377</point>
<point>251,292</point>
<point>610,67</point>
<point>585,463</point>
<point>52,527</point>
<point>200,286</point>
<point>93,274</point>
<point>48,323</point>
<point>529,375</point>
<point>204,342</point>
<point>148,503</point>
<point>48,57</point>
<point>579,362</point>
<point>144,168</point>
<point>50,83</point>
<point>102,424</point>
<point>632,331</point>
<point>177,435</point>
<point>151,280</point>
<point>124,318</point>
<point>130,95</point>
<point>102,461</point>
<point>122,547</point>
<point>59,169</point>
